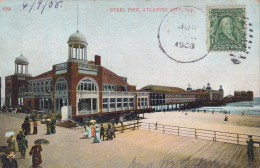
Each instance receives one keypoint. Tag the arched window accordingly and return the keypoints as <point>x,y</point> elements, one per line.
<point>88,85</point>
<point>61,84</point>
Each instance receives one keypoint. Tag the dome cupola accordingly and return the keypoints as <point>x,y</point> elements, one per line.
<point>77,47</point>
<point>21,65</point>
<point>77,38</point>
<point>22,60</point>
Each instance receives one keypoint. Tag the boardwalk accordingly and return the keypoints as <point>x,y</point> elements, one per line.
<point>134,149</point>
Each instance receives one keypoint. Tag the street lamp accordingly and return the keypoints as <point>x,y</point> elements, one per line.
<point>49,92</point>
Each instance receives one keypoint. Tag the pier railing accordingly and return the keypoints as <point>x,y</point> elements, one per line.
<point>219,136</point>
<point>127,127</point>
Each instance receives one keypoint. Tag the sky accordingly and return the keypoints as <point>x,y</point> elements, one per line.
<point>128,41</point>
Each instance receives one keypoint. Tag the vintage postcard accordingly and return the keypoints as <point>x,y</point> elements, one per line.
<point>129,84</point>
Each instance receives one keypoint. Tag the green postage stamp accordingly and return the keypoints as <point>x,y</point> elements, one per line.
<point>226,28</point>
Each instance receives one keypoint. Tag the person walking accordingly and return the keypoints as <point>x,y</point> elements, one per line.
<point>36,155</point>
<point>109,132</point>
<point>93,130</point>
<point>89,132</point>
<point>35,130</point>
<point>24,126</point>
<point>10,162</point>
<point>113,131</point>
<point>48,125</point>
<point>102,132</point>
<point>156,126</point>
<point>85,132</point>
<point>122,127</point>
<point>26,118</point>
<point>18,138</point>
<point>27,128</point>
<point>22,146</point>
<point>97,135</point>
<point>250,148</point>
<point>53,122</point>
<point>11,144</point>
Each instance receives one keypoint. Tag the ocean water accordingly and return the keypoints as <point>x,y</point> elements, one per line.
<point>248,107</point>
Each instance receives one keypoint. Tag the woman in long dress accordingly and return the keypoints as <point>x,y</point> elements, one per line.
<point>36,155</point>
<point>93,130</point>
<point>35,124</point>
<point>97,135</point>
<point>11,144</point>
<point>89,132</point>
<point>85,132</point>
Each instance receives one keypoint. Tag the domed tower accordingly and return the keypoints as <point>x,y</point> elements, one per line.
<point>189,88</point>
<point>220,88</point>
<point>208,87</point>
<point>21,65</point>
<point>77,47</point>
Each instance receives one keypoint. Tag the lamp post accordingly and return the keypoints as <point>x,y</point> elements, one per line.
<point>49,92</point>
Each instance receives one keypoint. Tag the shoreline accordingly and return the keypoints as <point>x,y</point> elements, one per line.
<point>247,124</point>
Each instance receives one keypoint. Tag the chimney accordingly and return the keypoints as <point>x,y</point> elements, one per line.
<point>97,60</point>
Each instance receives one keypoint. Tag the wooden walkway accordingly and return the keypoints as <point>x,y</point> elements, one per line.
<point>132,149</point>
<point>186,152</point>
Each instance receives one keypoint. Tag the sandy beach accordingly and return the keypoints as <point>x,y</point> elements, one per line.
<point>247,124</point>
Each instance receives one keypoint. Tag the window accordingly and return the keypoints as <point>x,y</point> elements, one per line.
<point>61,84</point>
<point>88,85</point>
<point>131,102</point>
<point>112,102</point>
<point>105,103</point>
<point>144,102</point>
<point>124,88</point>
<point>109,88</point>
<point>94,104</point>
<point>84,104</point>
<point>105,106</point>
<point>119,102</point>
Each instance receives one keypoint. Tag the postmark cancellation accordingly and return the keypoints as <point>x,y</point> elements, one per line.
<point>226,28</point>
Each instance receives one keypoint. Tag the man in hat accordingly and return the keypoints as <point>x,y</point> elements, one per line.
<point>109,132</point>
<point>113,131</point>
<point>250,148</point>
<point>102,132</point>
<point>10,162</point>
<point>24,126</point>
<point>26,118</point>
<point>22,146</point>
<point>27,128</point>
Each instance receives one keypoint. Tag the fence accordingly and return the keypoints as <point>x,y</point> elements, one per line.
<point>128,127</point>
<point>201,133</point>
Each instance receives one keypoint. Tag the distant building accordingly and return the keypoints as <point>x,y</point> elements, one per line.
<point>207,93</point>
<point>243,95</point>
<point>15,84</point>
<point>88,88</point>
<point>165,95</point>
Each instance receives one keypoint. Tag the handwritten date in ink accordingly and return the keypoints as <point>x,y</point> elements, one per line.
<point>41,5</point>
<point>185,45</point>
